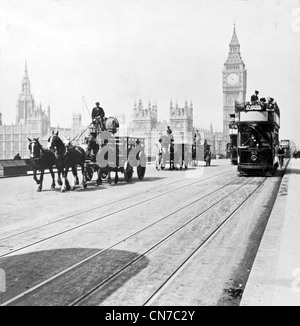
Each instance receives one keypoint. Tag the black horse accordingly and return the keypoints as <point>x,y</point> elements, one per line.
<point>68,156</point>
<point>41,159</point>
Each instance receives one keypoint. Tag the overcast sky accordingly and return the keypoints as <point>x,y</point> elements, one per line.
<point>119,51</point>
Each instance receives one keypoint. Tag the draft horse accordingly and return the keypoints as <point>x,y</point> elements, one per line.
<point>40,160</point>
<point>68,156</point>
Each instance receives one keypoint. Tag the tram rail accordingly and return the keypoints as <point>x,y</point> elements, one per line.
<point>13,300</point>
<point>205,178</point>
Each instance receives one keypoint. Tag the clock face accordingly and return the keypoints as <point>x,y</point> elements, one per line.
<point>232,79</point>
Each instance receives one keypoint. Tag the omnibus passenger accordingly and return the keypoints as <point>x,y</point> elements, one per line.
<point>252,142</point>
<point>254,97</point>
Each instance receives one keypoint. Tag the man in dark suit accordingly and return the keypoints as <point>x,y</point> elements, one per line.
<point>98,112</point>
<point>254,98</point>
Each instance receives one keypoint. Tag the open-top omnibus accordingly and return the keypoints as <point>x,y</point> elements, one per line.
<point>258,127</point>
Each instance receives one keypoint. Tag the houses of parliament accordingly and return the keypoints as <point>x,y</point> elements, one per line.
<point>33,121</point>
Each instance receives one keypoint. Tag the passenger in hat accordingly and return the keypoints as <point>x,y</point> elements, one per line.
<point>252,142</point>
<point>263,102</point>
<point>270,103</point>
<point>98,112</point>
<point>254,97</point>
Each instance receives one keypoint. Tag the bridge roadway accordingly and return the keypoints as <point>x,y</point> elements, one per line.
<point>175,238</point>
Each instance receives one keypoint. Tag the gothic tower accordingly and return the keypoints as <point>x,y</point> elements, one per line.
<point>144,119</point>
<point>144,124</point>
<point>181,121</point>
<point>234,82</point>
<point>28,112</point>
<point>25,104</point>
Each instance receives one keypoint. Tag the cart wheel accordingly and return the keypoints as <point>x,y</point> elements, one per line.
<point>141,172</point>
<point>104,175</point>
<point>142,158</point>
<point>89,173</point>
<point>141,169</point>
<point>128,171</point>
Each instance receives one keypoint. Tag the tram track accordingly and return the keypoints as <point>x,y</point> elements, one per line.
<point>209,237</point>
<point>86,300</point>
<point>88,259</point>
<point>155,246</point>
<point>119,200</point>
<point>106,205</point>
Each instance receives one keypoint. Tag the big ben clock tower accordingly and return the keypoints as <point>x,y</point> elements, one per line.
<point>234,82</point>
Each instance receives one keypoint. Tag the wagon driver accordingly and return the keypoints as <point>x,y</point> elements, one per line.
<point>98,112</point>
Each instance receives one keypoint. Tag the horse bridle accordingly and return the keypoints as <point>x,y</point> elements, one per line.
<point>32,152</point>
<point>52,146</point>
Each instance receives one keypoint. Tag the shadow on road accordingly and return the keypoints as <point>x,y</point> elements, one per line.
<point>292,171</point>
<point>26,271</point>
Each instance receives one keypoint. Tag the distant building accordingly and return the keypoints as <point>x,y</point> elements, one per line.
<point>181,122</point>
<point>144,124</point>
<point>32,121</point>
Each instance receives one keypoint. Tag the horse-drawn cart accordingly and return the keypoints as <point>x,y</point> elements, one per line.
<point>109,153</point>
<point>175,155</point>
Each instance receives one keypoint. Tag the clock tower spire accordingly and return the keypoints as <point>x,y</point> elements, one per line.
<point>234,81</point>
